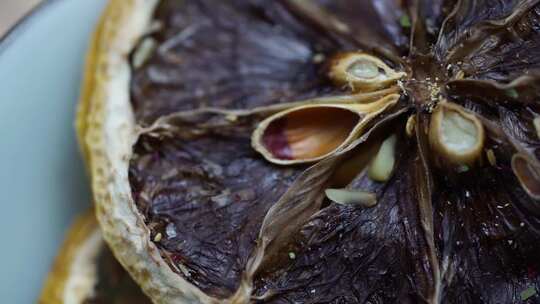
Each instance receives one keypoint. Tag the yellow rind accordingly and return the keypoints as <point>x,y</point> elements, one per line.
<point>88,84</point>
<point>54,288</point>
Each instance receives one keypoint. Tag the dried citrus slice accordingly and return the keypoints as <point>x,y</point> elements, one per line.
<point>345,151</point>
<point>86,272</point>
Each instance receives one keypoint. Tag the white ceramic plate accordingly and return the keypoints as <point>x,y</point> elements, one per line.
<point>42,180</point>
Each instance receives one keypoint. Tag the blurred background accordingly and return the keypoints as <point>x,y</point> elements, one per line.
<point>12,10</point>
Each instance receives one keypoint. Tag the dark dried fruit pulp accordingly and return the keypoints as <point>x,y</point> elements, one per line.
<point>114,285</point>
<point>442,231</point>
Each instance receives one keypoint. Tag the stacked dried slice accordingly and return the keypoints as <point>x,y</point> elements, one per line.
<point>86,272</point>
<point>318,151</point>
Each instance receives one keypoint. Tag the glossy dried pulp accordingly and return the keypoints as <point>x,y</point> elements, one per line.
<point>441,231</point>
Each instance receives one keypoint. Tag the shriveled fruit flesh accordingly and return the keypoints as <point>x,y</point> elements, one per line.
<point>210,54</point>
<point>352,254</point>
<point>86,271</point>
<point>205,197</point>
<point>342,151</point>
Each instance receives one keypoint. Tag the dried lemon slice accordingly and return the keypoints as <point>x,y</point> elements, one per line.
<point>85,271</point>
<point>212,138</point>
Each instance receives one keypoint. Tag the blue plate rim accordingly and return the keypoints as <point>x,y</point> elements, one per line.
<point>22,24</point>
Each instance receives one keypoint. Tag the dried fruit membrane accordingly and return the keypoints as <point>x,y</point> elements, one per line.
<point>362,72</point>
<point>527,175</point>
<point>251,110</point>
<point>311,132</point>
<point>455,135</point>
